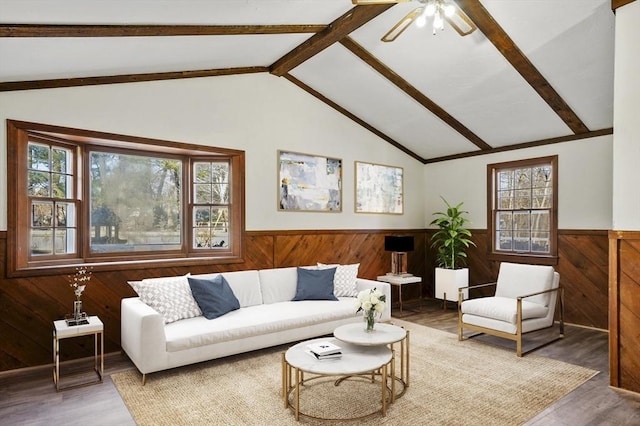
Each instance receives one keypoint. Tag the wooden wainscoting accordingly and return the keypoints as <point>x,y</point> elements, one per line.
<point>624,309</point>
<point>29,305</point>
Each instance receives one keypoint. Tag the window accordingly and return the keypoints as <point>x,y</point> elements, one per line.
<point>89,197</point>
<point>522,209</point>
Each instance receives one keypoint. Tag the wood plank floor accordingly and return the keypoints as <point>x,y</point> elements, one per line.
<point>28,397</point>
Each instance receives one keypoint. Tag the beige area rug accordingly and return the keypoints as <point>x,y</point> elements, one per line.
<point>452,383</point>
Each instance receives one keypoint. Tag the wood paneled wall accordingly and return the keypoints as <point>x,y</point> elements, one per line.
<point>28,306</point>
<point>624,309</point>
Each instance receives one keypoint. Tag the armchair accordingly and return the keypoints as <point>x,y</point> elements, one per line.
<point>524,301</point>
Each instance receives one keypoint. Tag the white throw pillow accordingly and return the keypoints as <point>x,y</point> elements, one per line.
<point>170,296</point>
<point>344,281</point>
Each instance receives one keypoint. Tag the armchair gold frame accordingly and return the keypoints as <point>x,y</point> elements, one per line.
<point>517,337</point>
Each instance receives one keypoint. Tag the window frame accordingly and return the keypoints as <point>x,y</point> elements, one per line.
<point>524,257</point>
<point>19,259</point>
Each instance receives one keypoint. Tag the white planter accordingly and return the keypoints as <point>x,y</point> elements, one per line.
<point>448,281</point>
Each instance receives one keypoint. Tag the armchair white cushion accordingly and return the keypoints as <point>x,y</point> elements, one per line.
<point>524,301</point>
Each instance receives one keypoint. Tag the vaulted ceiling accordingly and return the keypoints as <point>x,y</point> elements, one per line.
<point>535,72</point>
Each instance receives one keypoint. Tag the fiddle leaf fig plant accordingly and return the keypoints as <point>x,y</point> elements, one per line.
<point>452,238</point>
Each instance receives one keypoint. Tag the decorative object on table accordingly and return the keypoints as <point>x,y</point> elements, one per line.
<point>379,189</point>
<point>398,246</point>
<point>371,302</point>
<point>309,182</point>
<point>78,282</point>
<point>451,240</point>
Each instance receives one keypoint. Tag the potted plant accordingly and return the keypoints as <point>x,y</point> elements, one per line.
<point>451,240</point>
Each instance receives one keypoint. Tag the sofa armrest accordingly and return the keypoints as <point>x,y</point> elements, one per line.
<point>385,288</point>
<point>142,333</point>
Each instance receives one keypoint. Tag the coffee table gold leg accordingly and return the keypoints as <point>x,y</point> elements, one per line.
<point>408,356</point>
<point>393,376</point>
<point>297,383</point>
<point>384,390</point>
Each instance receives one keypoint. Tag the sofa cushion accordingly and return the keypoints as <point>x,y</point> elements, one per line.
<point>315,284</point>
<point>170,296</point>
<point>278,285</point>
<point>214,296</point>
<point>244,284</point>
<point>502,308</point>
<point>260,320</point>
<point>344,281</point>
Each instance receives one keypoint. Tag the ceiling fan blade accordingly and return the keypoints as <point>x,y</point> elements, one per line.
<point>402,25</point>
<point>365,2</point>
<point>461,22</point>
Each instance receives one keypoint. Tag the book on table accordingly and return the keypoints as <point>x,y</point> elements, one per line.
<point>325,350</point>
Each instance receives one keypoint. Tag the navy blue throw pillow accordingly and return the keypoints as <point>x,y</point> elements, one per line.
<point>315,284</point>
<point>214,296</point>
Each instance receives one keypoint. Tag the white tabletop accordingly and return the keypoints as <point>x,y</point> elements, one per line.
<point>64,330</point>
<point>355,359</point>
<point>383,334</point>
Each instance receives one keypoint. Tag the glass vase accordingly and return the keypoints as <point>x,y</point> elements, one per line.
<point>77,310</point>
<point>369,321</point>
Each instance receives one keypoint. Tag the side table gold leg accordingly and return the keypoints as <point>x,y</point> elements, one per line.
<point>297,381</point>
<point>393,375</point>
<point>408,343</point>
<point>384,389</point>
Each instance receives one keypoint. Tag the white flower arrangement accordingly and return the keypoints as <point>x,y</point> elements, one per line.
<point>370,301</point>
<point>79,280</point>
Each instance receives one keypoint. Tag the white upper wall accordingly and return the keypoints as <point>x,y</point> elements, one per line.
<point>626,119</point>
<point>257,113</point>
<point>584,183</point>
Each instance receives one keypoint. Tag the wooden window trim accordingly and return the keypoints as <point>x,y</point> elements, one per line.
<point>18,263</point>
<point>518,257</point>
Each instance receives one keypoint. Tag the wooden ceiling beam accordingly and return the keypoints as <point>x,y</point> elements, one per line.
<point>30,30</point>
<point>351,116</point>
<point>125,78</point>
<point>524,145</point>
<point>410,90</point>
<point>505,45</point>
<point>341,27</point>
<point>619,3</point>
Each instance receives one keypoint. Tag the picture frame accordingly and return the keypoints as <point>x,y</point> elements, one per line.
<point>379,188</point>
<point>309,183</point>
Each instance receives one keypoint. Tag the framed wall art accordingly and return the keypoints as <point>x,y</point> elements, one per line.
<point>309,183</point>
<point>379,189</point>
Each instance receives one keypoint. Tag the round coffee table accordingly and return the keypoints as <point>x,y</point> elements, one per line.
<point>356,360</point>
<point>384,334</point>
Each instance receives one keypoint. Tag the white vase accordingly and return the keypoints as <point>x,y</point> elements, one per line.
<point>448,281</point>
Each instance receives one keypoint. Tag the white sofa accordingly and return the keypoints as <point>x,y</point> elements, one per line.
<point>267,317</point>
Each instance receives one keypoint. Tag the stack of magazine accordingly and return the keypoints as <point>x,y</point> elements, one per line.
<point>324,350</point>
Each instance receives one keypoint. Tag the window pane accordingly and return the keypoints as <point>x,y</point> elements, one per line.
<point>203,194</point>
<point>521,240</point>
<point>523,178</point>
<point>65,241</point>
<point>541,242</point>
<point>505,180</point>
<point>505,200</point>
<point>521,221</point>
<point>505,240</point>
<point>523,199</point>
<point>541,176</point>
<point>504,221</point>
<point>38,157</point>
<point>542,198</point>
<point>62,161</point>
<point>540,221</point>
<point>135,203</point>
<point>41,214</point>
<point>38,185</point>
<point>41,241</point>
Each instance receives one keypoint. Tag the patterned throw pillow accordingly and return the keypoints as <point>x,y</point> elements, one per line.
<point>170,296</point>
<point>344,281</point>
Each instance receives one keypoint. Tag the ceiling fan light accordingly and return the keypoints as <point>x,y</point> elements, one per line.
<point>438,22</point>
<point>421,21</point>
<point>449,10</point>
<point>430,9</point>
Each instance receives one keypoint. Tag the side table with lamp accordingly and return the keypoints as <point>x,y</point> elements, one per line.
<point>399,246</point>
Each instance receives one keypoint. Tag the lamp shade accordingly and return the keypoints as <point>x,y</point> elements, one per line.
<point>398,243</point>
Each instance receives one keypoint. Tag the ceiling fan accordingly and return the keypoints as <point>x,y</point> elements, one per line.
<point>437,11</point>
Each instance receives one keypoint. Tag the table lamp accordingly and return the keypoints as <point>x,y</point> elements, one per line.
<point>398,246</point>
